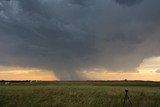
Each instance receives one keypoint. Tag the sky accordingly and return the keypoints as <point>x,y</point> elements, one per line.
<point>80,39</point>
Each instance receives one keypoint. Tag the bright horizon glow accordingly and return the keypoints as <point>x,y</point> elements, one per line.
<point>121,76</point>
<point>19,73</point>
<point>148,70</point>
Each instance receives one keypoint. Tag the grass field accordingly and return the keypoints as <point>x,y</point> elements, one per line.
<point>79,94</point>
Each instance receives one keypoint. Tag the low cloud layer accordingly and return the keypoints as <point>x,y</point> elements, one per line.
<point>128,2</point>
<point>67,36</point>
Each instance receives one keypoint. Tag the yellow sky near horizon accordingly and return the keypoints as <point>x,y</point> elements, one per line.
<point>149,69</point>
<point>122,76</point>
<point>19,73</point>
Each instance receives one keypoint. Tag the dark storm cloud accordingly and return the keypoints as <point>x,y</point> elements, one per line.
<point>128,2</point>
<point>81,2</point>
<point>71,35</point>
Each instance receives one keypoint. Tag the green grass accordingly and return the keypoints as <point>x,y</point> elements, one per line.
<point>79,94</point>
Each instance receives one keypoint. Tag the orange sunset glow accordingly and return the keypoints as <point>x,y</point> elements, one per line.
<point>18,73</point>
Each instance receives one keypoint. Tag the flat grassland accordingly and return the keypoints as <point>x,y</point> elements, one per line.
<point>79,94</point>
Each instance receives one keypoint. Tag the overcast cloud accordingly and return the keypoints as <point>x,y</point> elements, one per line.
<point>72,35</point>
